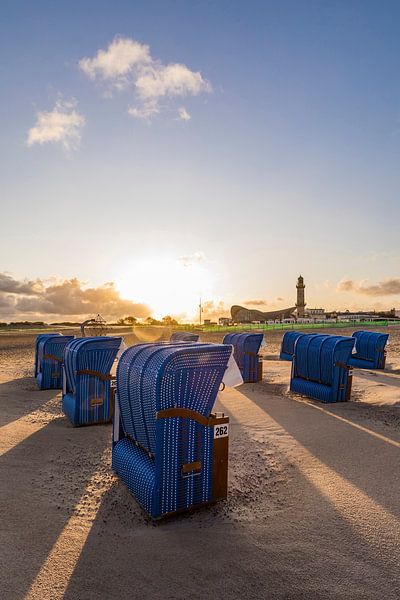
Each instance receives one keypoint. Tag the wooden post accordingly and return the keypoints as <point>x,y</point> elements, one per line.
<point>220,456</point>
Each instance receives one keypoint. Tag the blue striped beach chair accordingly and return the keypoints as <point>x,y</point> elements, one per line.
<point>288,342</point>
<point>320,367</point>
<point>39,349</point>
<point>245,348</point>
<point>169,449</point>
<point>370,352</point>
<point>87,394</point>
<point>184,336</point>
<point>49,357</point>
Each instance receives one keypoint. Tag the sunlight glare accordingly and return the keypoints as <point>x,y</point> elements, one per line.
<point>168,286</point>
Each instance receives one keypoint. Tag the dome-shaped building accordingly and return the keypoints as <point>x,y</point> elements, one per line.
<point>241,314</point>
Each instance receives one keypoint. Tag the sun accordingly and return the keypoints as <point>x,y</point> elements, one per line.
<point>168,286</point>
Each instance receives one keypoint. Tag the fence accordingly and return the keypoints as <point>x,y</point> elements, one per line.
<point>297,326</point>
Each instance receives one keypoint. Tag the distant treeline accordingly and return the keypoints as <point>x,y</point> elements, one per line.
<point>130,320</point>
<point>168,321</point>
<point>35,324</point>
<point>23,324</point>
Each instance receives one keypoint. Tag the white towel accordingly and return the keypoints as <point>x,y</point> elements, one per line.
<point>232,376</point>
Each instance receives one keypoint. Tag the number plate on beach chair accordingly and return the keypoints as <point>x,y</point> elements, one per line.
<point>221,431</point>
<point>96,401</point>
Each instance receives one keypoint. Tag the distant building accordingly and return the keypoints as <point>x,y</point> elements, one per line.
<point>316,314</point>
<point>300,304</point>
<point>225,321</point>
<point>365,316</point>
<point>240,314</point>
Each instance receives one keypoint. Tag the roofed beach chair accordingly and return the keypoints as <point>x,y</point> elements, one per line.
<point>320,367</point>
<point>169,449</point>
<point>288,342</point>
<point>370,350</point>
<point>246,347</point>
<point>49,358</point>
<point>39,349</point>
<point>184,336</point>
<point>87,394</point>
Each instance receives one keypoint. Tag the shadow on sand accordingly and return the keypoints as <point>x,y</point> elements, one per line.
<point>295,552</point>
<point>339,445</point>
<point>47,473</point>
<point>21,396</point>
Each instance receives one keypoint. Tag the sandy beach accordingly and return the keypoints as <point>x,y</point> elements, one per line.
<point>312,512</point>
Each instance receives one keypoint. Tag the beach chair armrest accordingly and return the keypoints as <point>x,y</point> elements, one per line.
<point>53,357</point>
<point>187,413</point>
<point>343,366</point>
<point>95,374</point>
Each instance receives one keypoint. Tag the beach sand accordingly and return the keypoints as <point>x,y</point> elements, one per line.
<point>313,507</point>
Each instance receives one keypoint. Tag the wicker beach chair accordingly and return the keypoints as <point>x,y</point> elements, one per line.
<point>288,343</point>
<point>370,350</point>
<point>39,349</point>
<point>184,336</point>
<point>320,367</point>
<point>87,394</point>
<point>246,347</point>
<point>49,358</point>
<point>168,448</point>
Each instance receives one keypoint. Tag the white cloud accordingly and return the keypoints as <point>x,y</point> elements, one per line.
<point>68,298</point>
<point>62,125</point>
<point>121,56</point>
<point>146,111</point>
<point>127,63</point>
<point>388,287</point>
<point>183,114</point>
<point>172,80</point>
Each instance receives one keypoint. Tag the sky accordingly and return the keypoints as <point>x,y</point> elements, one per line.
<point>153,153</point>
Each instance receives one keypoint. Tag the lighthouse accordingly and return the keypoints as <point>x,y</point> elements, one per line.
<point>300,304</point>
